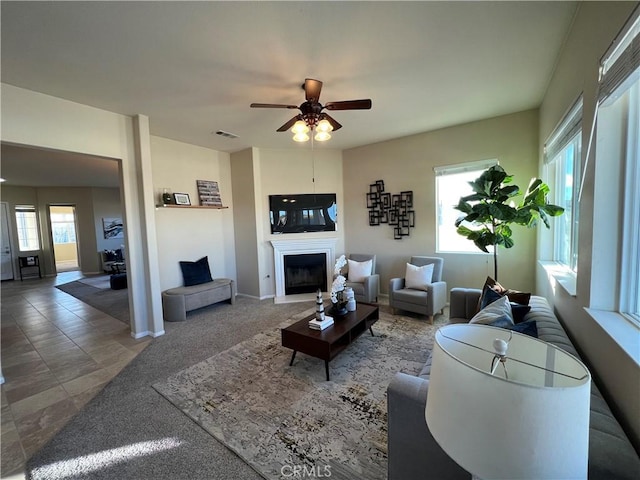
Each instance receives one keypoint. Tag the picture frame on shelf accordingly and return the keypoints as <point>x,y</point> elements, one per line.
<point>182,198</point>
<point>209,193</point>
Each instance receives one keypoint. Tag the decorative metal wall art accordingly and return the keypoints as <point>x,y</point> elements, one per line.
<point>395,210</point>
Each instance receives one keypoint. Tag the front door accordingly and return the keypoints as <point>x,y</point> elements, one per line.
<point>6,261</point>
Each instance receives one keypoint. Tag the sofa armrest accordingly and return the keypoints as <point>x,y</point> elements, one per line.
<point>463,304</point>
<point>371,287</point>
<point>395,284</point>
<point>437,296</point>
<point>413,453</point>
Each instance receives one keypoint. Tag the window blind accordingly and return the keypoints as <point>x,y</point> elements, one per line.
<point>25,208</point>
<point>621,63</point>
<point>568,128</point>
<point>465,167</point>
<point>619,67</point>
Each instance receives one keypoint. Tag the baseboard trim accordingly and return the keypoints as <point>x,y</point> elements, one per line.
<point>147,334</point>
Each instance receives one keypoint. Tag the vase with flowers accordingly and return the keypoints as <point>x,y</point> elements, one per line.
<point>338,297</point>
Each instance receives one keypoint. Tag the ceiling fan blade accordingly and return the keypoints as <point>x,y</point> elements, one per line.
<point>332,121</point>
<point>349,105</point>
<point>289,124</point>
<point>312,89</point>
<point>271,105</point>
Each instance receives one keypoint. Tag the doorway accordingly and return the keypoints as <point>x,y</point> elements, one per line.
<point>5,245</point>
<point>64,238</point>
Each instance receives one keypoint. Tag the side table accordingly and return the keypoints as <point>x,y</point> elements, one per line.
<point>30,262</point>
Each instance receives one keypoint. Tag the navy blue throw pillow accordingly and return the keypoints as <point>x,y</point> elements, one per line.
<point>488,296</point>
<point>528,328</point>
<point>519,311</point>
<point>195,273</point>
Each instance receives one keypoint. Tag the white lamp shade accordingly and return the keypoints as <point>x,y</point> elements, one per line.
<point>534,425</point>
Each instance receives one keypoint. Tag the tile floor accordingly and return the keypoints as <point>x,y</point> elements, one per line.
<point>57,353</point>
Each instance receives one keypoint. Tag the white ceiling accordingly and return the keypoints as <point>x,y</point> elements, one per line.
<point>194,67</point>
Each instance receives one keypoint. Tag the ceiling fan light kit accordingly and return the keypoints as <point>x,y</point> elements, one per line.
<point>311,115</point>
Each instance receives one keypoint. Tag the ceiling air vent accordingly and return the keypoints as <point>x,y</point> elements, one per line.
<point>222,133</point>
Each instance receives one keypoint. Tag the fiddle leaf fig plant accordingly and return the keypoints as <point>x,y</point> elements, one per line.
<point>490,211</point>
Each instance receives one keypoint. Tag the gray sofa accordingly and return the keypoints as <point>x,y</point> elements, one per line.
<point>413,452</point>
<point>176,302</point>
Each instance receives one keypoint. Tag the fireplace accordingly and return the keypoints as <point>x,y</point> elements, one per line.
<point>305,273</point>
<point>302,248</point>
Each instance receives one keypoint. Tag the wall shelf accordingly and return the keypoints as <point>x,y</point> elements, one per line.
<point>164,205</point>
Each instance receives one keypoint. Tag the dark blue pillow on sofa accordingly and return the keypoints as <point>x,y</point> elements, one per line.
<point>195,273</point>
<point>489,296</point>
<point>528,328</point>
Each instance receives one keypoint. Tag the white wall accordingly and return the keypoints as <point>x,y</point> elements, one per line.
<point>618,375</point>
<point>407,164</point>
<point>189,234</point>
<point>34,119</point>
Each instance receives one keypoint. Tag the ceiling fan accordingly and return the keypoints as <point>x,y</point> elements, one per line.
<point>312,111</point>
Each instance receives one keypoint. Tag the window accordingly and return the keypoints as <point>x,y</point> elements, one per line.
<point>27,225</point>
<point>562,157</point>
<point>616,232</point>
<point>63,228</point>
<point>452,183</point>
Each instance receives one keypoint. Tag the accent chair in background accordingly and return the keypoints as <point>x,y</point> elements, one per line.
<point>361,277</point>
<point>422,289</point>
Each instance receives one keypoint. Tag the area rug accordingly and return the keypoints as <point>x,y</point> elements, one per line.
<point>112,302</point>
<point>281,419</point>
<point>100,281</point>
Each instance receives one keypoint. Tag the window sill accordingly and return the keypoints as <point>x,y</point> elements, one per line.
<point>620,329</point>
<point>565,277</point>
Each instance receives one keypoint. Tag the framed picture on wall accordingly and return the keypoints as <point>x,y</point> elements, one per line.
<point>112,228</point>
<point>182,198</point>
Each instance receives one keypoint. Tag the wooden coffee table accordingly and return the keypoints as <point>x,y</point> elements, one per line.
<point>326,344</point>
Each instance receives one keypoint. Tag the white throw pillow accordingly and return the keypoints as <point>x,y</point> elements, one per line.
<point>500,309</point>
<point>418,277</point>
<point>359,270</point>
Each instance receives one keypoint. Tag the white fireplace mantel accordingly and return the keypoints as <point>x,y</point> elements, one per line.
<point>300,247</point>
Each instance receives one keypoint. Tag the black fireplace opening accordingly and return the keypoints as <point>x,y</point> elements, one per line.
<point>305,273</point>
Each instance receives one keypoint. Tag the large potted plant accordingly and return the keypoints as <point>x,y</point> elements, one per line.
<point>490,210</point>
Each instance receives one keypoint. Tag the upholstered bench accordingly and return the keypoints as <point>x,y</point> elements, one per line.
<point>176,302</point>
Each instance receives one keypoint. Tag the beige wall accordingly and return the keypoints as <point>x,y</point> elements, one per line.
<point>106,204</point>
<point>618,375</point>
<point>298,170</point>
<point>34,119</point>
<point>258,173</point>
<point>407,164</point>
<point>245,215</point>
<point>41,198</point>
<point>65,252</point>
<point>189,234</point>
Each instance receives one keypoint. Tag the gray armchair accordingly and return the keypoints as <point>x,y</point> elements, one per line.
<point>367,290</point>
<point>426,302</point>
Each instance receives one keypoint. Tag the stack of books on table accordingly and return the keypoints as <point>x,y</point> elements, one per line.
<point>317,325</point>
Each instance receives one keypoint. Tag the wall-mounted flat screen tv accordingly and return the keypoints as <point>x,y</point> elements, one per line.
<point>308,212</point>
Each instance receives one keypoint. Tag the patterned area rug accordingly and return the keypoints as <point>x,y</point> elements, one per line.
<point>280,418</point>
